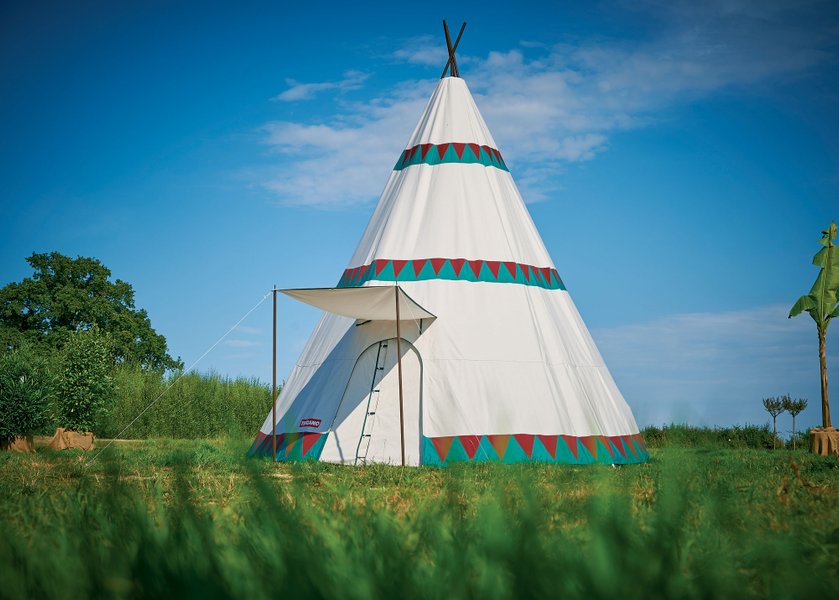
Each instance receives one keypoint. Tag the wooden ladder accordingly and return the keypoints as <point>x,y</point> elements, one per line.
<point>372,405</point>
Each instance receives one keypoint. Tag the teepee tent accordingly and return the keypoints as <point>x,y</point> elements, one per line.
<point>488,358</point>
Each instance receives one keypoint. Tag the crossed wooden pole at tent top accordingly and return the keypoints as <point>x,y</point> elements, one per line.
<point>452,62</point>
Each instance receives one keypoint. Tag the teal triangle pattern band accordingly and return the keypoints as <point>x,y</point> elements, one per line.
<point>451,152</point>
<point>458,269</point>
<point>524,447</point>
<point>294,445</point>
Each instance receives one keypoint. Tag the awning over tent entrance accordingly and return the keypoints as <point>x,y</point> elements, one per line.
<point>373,303</point>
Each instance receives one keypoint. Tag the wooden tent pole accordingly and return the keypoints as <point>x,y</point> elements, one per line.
<point>454,49</point>
<point>399,371</point>
<point>274,383</point>
<point>452,61</point>
<point>449,48</point>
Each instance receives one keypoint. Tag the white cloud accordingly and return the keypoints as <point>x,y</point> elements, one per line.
<point>352,80</point>
<point>423,50</point>
<point>248,330</point>
<point>715,368</point>
<point>560,102</point>
<point>347,161</point>
<point>242,343</point>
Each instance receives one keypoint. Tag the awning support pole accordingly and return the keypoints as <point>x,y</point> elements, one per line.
<point>399,371</point>
<point>274,383</point>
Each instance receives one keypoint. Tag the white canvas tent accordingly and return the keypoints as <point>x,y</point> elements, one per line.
<point>496,362</point>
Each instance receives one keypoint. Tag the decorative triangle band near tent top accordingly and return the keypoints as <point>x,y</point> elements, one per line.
<point>451,152</point>
<point>458,269</point>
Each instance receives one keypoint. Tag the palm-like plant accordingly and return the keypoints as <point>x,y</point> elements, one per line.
<point>823,304</point>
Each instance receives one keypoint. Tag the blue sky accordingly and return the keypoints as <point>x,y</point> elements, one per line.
<point>678,158</point>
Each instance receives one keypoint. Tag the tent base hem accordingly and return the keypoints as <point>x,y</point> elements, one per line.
<point>506,448</point>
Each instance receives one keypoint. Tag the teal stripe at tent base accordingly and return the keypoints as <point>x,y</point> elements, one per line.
<point>296,445</point>
<point>515,448</point>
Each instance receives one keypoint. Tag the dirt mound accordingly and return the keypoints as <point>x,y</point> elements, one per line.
<point>65,439</point>
<point>22,443</point>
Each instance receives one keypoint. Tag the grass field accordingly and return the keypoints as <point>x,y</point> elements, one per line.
<point>193,518</point>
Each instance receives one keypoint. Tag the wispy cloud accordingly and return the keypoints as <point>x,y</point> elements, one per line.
<point>347,161</point>
<point>550,104</point>
<point>296,91</point>
<point>422,50</point>
<point>242,343</point>
<point>714,368</point>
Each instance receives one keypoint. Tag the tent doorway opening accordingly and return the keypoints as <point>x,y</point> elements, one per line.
<point>370,430</point>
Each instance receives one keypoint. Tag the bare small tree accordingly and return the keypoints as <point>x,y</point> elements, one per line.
<point>794,407</point>
<point>774,407</point>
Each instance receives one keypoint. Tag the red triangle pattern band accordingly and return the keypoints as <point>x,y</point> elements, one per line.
<point>508,448</point>
<point>451,152</point>
<point>295,445</point>
<point>457,265</point>
<point>398,265</point>
<point>525,440</point>
<point>549,444</point>
<point>523,447</point>
<point>421,269</point>
<point>470,444</point>
<point>437,264</point>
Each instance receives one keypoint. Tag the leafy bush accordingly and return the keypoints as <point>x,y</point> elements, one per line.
<point>65,295</point>
<point>85,385</point>
<point>25,387</point>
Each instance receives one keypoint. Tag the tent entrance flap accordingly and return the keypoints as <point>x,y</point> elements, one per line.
<point>374,303</point>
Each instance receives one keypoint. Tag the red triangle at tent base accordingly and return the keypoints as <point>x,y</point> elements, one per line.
<point>525,441</point>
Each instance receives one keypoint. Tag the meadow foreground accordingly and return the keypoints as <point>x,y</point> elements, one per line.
<point>171,518</point>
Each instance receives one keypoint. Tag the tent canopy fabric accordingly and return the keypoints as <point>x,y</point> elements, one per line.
<point>508,371</point>
<point>374,303</point>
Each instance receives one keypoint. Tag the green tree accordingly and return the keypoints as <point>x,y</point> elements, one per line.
<point>794,407</point>
<point>85,386</point>
<point>823,304</point>
<point>66,295</point>
<point>25,386</point>
<point>774,406</point>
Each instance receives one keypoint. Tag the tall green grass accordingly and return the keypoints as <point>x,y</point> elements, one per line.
<point>197,405</point>
<point>735,436</point>
<point>196,520</point>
